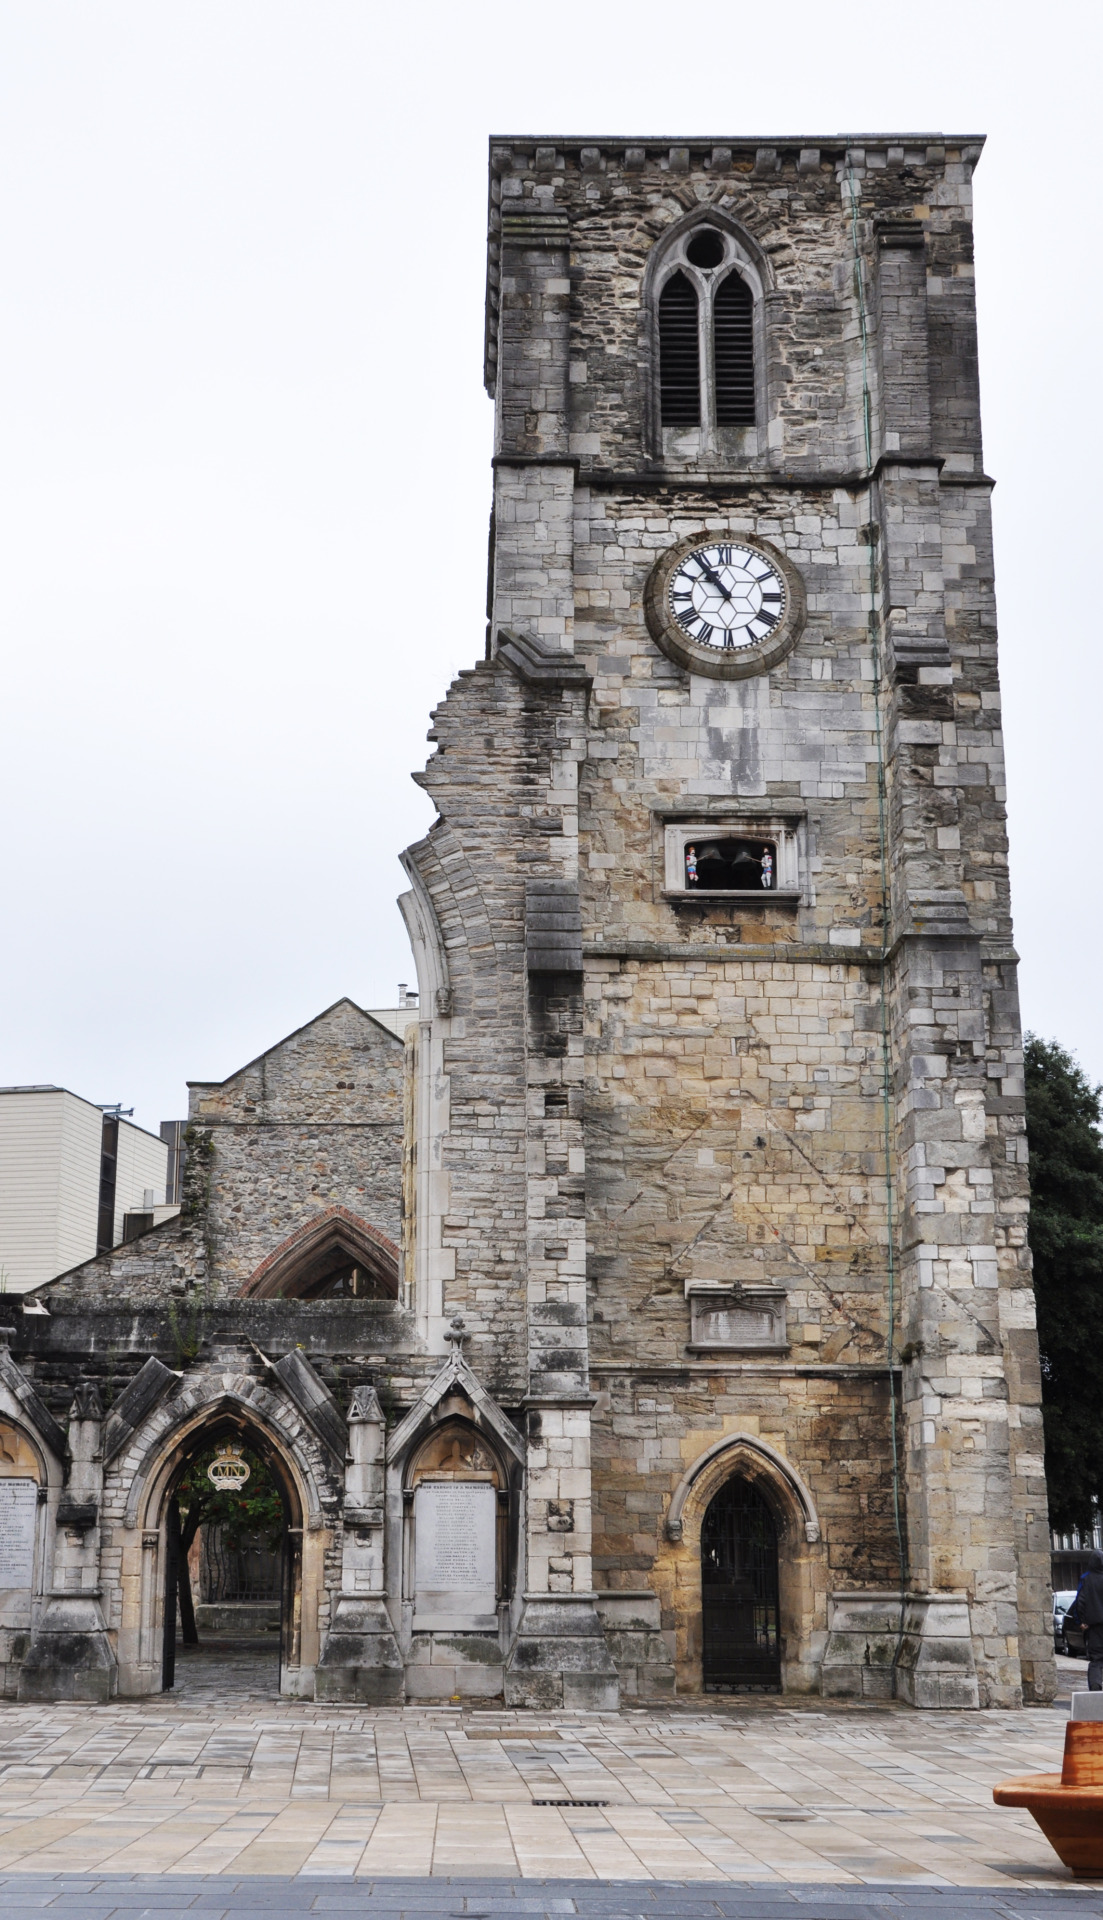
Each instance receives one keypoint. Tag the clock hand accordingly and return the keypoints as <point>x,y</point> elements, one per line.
<point>716,580</point>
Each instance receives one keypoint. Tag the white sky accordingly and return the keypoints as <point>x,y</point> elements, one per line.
<point>244,477</point>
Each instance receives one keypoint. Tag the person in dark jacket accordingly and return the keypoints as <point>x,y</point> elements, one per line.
<point>1087,1612</point>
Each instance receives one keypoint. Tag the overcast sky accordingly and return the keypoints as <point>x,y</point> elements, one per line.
<point>244,464</point>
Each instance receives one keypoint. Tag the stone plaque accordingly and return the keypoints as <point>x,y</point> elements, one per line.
<point>737,1321</point>
<point>18,1518</point>
<point>455,1524</point>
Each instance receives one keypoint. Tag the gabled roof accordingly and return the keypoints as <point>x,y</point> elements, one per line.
<point>344,1001</point>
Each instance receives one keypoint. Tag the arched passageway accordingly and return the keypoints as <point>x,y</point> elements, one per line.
<point>741,1647</point>
<point>231,1525</point>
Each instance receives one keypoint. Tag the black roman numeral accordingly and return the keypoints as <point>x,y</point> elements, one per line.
<point>723,556</point>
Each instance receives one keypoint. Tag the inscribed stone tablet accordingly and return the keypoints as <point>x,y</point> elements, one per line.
<point>455,1523</point>
<point>18,1513</point>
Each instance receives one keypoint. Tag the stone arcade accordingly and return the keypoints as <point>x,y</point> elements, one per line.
<point>659,1316</point>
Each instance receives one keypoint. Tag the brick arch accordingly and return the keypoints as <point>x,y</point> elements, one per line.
<point>335,1229</point>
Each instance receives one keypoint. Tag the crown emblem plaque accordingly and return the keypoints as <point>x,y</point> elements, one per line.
<point>228,1471</point>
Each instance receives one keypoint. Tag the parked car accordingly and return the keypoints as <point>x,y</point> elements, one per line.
<point>1067,1639</point>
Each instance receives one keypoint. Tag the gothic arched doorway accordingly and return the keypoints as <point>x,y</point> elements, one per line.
<point>232,1552</point>
<point>741,1649</point>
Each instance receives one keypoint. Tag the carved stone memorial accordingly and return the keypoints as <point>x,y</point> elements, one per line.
<point>18,1513</point>
<point>454,1559</point>
<point>743,1320</point>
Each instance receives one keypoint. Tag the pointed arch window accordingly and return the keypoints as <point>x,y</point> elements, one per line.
<point>706,333</point>
<point>336,1254</point>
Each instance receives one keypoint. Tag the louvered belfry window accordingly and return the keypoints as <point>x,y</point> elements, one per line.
<point>679,354</point>
<point>733,352</point>
<point>706,334</point>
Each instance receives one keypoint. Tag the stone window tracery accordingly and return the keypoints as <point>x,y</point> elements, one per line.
<point>705,305</point>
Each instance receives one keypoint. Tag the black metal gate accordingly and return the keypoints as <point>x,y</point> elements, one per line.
<point>741,1650</point>
<point>172,1584</point>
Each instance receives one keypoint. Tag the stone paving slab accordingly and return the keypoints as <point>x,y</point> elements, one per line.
<point>228,1897</point>
<point>226,1781</point>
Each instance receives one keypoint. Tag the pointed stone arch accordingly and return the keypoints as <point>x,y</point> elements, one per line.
<point>223,1396</point>
<point>801,1560</point>
<point>454,1392</point>
<point>152,1474</point>
<point>760,1463</point>
<point>334,1235</point>
<point>455,1403</point>
<point>667,257</point>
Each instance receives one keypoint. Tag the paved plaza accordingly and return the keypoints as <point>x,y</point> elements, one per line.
<point>224,1797</point>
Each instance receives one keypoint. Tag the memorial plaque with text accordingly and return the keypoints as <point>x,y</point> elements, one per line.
<point>18,1517</point>
<point>455,1570</point>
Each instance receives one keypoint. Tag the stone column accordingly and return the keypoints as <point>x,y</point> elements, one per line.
<point>71,1656</point>
<point>361,1659</point>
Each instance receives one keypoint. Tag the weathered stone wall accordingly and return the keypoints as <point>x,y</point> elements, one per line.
<point>650,1425</point>
<point>733,1134</point>
<point>503,778</point>
<point>743,1060</point>
<point>315,1122</point>
<point>623,1107</point>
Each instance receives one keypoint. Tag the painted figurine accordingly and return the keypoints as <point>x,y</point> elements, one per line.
<point>691,866</point>
<point>767,867</point>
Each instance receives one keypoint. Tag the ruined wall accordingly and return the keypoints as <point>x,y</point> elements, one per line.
<point>315,1122</point>
<point>503,779</point>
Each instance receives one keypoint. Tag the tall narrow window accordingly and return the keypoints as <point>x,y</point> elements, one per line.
<point>679,357</point>
<point>733,352</point>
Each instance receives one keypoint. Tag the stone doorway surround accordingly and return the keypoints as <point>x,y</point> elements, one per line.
<point>802,1560</point>
<point>236,1392</point>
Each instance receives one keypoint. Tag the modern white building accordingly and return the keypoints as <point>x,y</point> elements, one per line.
<point>397,1019</point>
<point>70,1174</point>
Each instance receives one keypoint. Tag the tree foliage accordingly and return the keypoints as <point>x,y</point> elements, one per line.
<point>1063,1121</point>
<point>254,1512</point>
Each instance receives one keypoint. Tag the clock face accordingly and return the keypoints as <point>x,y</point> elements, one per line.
<point>724,608</point>
<point>727,597</point>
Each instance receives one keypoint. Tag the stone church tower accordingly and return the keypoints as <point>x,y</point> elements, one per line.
<point>658,1316</point>
<point>724,1117</point>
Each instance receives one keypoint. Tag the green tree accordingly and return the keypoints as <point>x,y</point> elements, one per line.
<point>1063,1122</point>
<point>254,1512</point>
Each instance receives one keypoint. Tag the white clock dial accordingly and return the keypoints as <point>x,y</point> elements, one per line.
<point>727,596</point>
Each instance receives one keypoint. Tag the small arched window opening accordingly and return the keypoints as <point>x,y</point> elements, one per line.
<point>706,332</point>
<point>679,353</point>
